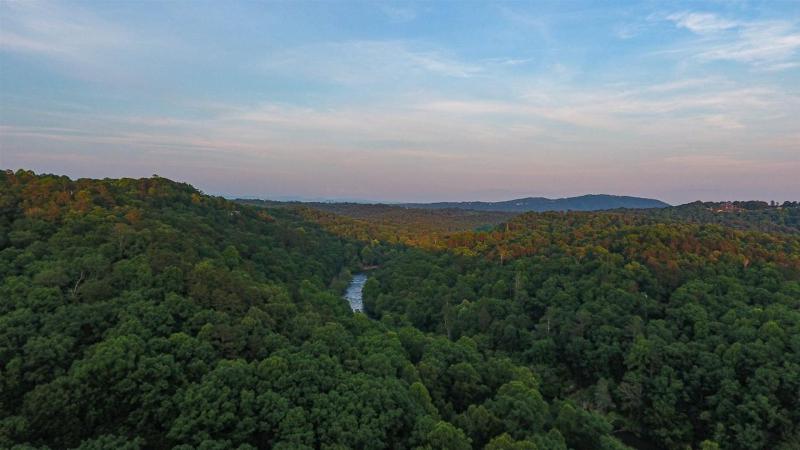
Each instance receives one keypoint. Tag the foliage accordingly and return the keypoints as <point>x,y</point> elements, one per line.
<point>144,314</point>
<point>676,334</point>
<point>750,215</point>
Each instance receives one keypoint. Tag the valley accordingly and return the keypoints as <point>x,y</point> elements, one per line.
<point>140,310</point>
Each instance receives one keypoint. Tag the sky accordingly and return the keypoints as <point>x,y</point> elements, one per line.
<point>409,101</point>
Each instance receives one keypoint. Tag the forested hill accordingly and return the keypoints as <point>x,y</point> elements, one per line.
<point>594,202</point>
<point>140,313</point>
<point>421,219</point>
<point>390,224</point>
<point>747,215</point>
<point>682,335</point>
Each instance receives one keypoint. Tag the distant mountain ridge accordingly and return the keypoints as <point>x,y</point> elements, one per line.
<point>591,202</point>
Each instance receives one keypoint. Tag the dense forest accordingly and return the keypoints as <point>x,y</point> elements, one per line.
<point>141,313</point>
<point>750,215</point>
<point>144,314</point>
<point>392,223</point>
<point>681,335</point>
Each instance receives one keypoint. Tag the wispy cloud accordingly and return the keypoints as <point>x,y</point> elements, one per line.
<point>399,14</point>
<point>356,62</point>
<point>42,27</point>
<point>314,98</point>
<point>68,36</point>
<point>701,23</point>
<point>700,163</point>
<point>769,45</point>
<point>70,39</point>
<point>530,122</point>
<point>684,84</point>
<point>632,109</point>
<point>508,62</point>
<point>628,30</point>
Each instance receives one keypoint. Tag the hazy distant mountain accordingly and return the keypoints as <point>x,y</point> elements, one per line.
<point>593,202</point>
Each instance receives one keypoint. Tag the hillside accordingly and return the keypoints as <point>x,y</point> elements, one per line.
<point>594,202</point>
<point>140,313</point>
<point>751,215</point>
<point>602,305</point>
<point>684,333</point>
<point>391,224</point>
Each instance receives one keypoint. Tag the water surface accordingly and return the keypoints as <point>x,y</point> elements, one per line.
<point>353,293</point>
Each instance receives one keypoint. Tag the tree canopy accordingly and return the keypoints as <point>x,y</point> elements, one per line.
<point>142,313</point>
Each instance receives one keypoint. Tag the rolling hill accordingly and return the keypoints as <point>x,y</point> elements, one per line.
<point>591,202</point>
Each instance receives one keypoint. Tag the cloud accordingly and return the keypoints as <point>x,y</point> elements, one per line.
<point>723,121</point>
<point>399,14</point>
<point>662,108</point>
<point>628,30</point>
<point>418,142</point>
<point>357,62</point>
<point>730,163</point>
<point>767,45</point>
<point>561,118</point>
<point>74,41</point>
<point>522,21</point>
<point>508,62</point>
<point>338,109</point>
<point>68,35</point>
<point>782,66</point>
<point>701,23</point>
<point>681,85</point>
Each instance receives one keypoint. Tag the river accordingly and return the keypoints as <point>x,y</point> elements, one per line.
<point>354,292</point>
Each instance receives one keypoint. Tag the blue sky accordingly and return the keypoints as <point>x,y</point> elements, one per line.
<point>409,101</point>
